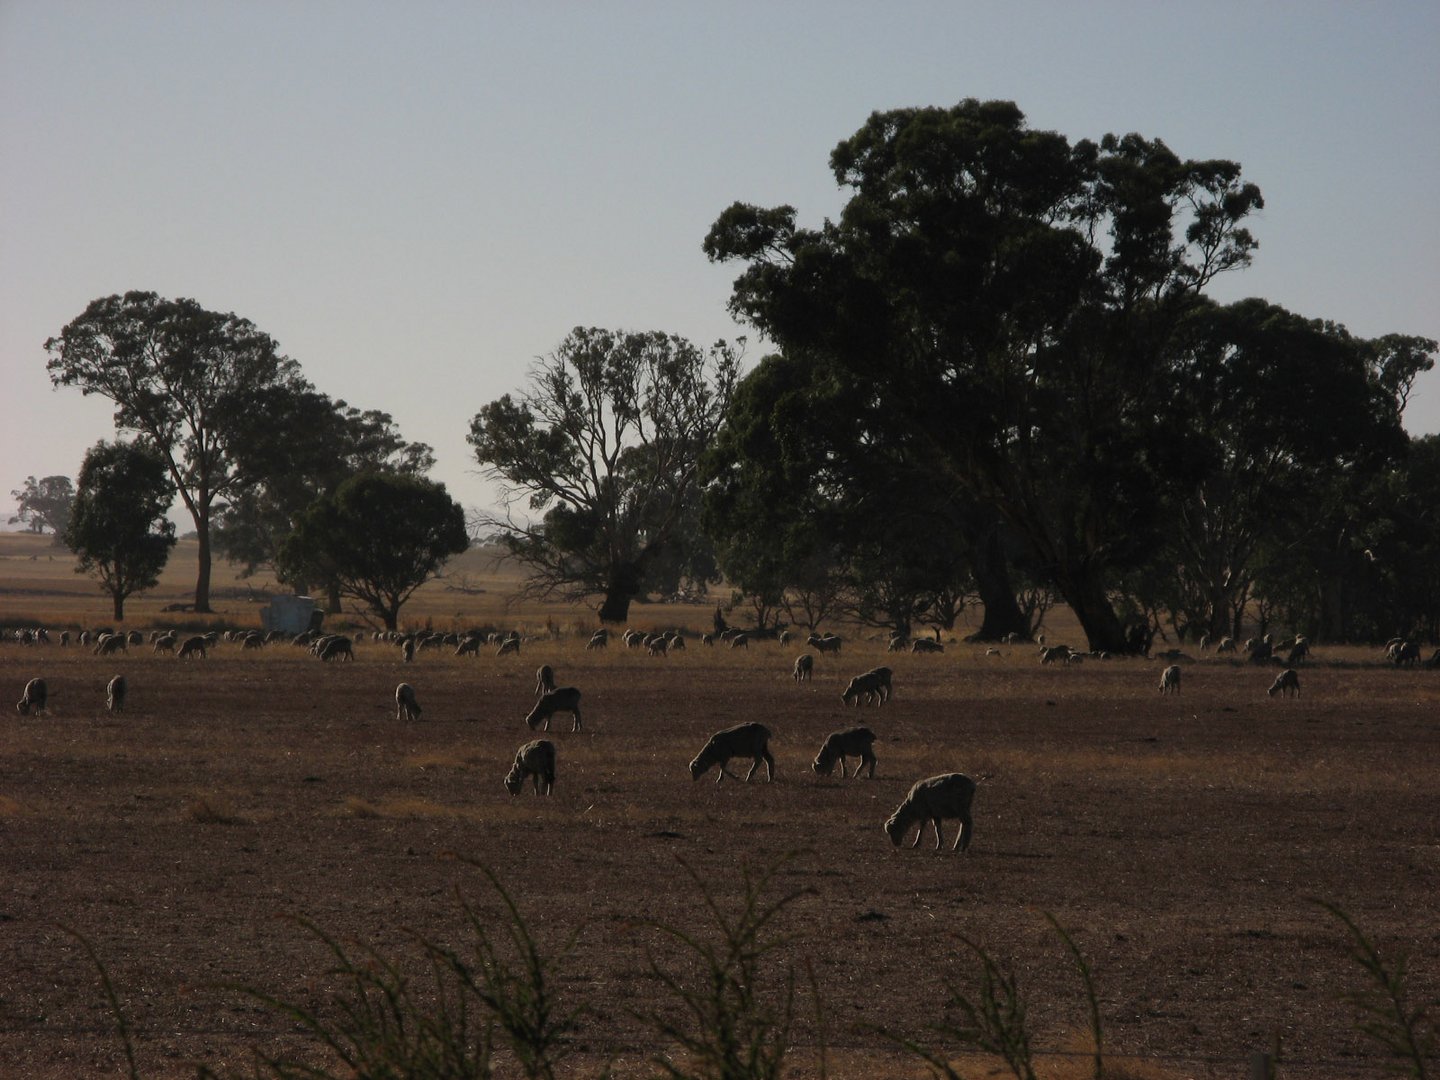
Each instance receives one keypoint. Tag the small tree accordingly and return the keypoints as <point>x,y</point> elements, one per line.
<point>381,536</point>
<point>45,504</point>
<point>118,526</point>
<point>606,443</point>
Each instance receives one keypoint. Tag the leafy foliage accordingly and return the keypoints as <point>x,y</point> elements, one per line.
<point>380,536</point>
<point>45,504</point>
<point>200,386</point>
<point>117,525</point>
<point>605,442</point>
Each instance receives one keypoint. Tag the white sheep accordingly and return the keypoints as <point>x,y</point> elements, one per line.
<point>1287,682</point>
<point>946,796</point>
<point>337,647</point>
<point>873,685</point>
<point>565,699</point>
<point>1170,680</point>
<point>537,761</point>
<point>750,740</point>
<point>34,697</point>
<point>839,745</point>
<point>804,666</point>
<point>406,707</point>
<point>824,643</point>
<point>193,646</point>
<point>115,691</point>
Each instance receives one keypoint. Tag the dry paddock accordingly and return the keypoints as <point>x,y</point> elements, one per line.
<point>1181,841</point>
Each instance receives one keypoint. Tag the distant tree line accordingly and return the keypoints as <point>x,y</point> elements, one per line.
<point>998,381</point>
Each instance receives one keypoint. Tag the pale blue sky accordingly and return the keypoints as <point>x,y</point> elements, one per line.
<point>416,199</point>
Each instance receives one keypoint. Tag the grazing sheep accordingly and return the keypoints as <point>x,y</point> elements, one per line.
<point>839,745</point>
<point>1299,650</point>
<point>598,640</point>
<point>535,760</point>
<point>946,796</point>
<point>1170,680</point>
<point>743,740</point>
<point>740,641</point>
<point>544,679</point>
<point>109,645</point>
<point>1287,683</point>
<point>1227,645</point>
<point>469,647</point>
<point>707,639</point>
<point>192,646</point>
<point>1050,654</point>
<point>165,642</point>
<point>873,685</point>
<point>406,707</point>
<point>565,699</point>
<point>115,691</point>
<point>64,638</point>
<point>1406,654</point>
<point>826,643</point>
<point>897,643</point>
<point>509,645</point>
<point>34,697</point>
<point>804,666</point>
<point>1261,652</point>
<point>993,652</point>
<point>657,645</point>
<point>926,645</point>
<point>407,649</point>
<point>253,640</point>
<point>634,639</point>
<point>338,647</point>
<point>675,640</point>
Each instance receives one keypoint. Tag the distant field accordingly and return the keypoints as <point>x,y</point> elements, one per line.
<point>1179,839</point>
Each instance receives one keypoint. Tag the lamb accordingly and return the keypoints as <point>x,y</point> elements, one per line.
<point>804,666</point>
<point>337,648</point>
<point>1287,682</point>
<point>115,691</point>
<point>873,685</point>
<point>946,796</point>
<point>192,646</point>
<point>544,679</point>
<point>406,707</point>
<point>750,740</point>
<point>535,760</point>
<point>1170,680</point>
<point>34,697</point>
<point>839,745</point>
<point>565,699</point>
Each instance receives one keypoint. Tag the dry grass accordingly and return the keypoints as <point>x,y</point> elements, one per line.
<point>1179,838</point>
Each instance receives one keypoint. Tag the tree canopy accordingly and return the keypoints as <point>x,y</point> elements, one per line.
<point>380,536</point>
<point>1025,310</point>
<point>118,526</point>
<point>45,504</point>
<point>318,445</point>
<point>604,444</point>
<point>200,386</point>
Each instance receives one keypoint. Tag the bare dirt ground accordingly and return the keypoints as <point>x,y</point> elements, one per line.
<point>1180,840</point>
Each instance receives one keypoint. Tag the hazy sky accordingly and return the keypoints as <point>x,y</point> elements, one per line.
<point>416,199</point>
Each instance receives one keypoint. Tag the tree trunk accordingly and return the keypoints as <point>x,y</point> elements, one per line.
<point>616,608</point>
<point>992,581</point>
<point>1086,596</point>
<point>332,602</point>
<point>202,580</point>
<point>119,605</point>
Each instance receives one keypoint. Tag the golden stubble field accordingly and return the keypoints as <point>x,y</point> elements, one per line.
<point>1180,840</point>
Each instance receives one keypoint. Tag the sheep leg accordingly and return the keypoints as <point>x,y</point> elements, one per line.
<point>769,767</point>
<point>868,759</point>
<point>842,767</point>
<point>967,829</point>
<point>936,823</point>
<point>576,714</point>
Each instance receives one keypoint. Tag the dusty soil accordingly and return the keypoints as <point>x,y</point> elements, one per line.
<point>1180,840</point>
